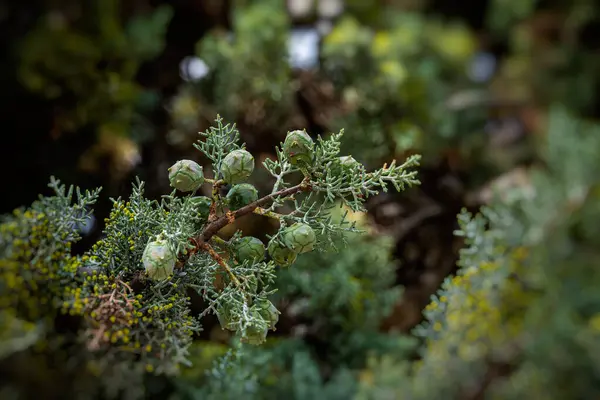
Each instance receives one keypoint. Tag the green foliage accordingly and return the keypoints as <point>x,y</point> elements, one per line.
<point>286,368</point>
<point>395,81</point>
<point>519,320</point>
<point>38,272</point>
<point>148,32</point>
<point>249,73</point>
<point>132,290</point>
<point>567,60</point>
<point>504,14</point>
<point>353,185</point>
<point>337,328</point>
<point>220,141</point>
<point>84,52</point>
<point>356,292</point>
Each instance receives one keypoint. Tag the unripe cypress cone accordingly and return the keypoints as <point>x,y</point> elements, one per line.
<point>300,238</point>
<point>348,162</point>
<point>344,165</point>
<point>249,248</point>
<point>282,255</point>
<point>256,331</point>
<point>241,195</point>
<point>225,317</point>
<point>186,175</point>
<point>158,259</point>
<point>268,311</point>
<point>202,205</point>
<point>237,166</point>
<point>298,147</point>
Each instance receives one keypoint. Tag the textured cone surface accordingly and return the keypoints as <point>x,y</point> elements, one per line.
<point>256,332</point>
<point>186,175</point>
<point>202,205</point>
<point>241,195</point>
<point>159,260</point>
<point>299,148</point>
<point>282,255</point>
<point>344,165</point>
<point>300,238</point>
<point>237,166</point>
<point>250,248</point>
<point>268,311</point>
<point>348,162</point>
<point>225,318</point>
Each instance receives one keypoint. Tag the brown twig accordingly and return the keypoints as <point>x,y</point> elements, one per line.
<point>225,220</point>
<point>212,215</point>
<point>201,242</point>
<point>118,303</point>
<point>208,248</point>
<point>266,213</point>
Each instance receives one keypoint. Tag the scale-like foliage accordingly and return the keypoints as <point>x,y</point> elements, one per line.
<point>334,329</point>
<point>131,292</point>
<point>519,320</point>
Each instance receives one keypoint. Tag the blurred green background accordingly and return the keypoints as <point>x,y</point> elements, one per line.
<point>101,91</point>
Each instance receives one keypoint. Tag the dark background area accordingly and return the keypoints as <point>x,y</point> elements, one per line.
<point>30,153</point>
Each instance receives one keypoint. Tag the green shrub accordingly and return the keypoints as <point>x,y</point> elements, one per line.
<point>520,318</point>
<point>130,294</point>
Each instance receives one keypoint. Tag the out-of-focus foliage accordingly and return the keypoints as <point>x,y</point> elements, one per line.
<point>552,52</point>
<point>86,55</point>
<point>395,81</point>
<point>241,76</point>
<point>355,295</point>
<point>283,368</point>
<point>333,330</point>
<point>407,81</point>
<point>519,320</point>
<point>249,76</point>
<point>503,14</point>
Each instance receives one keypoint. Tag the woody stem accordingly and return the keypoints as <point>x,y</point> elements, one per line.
<point>221,222</point>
